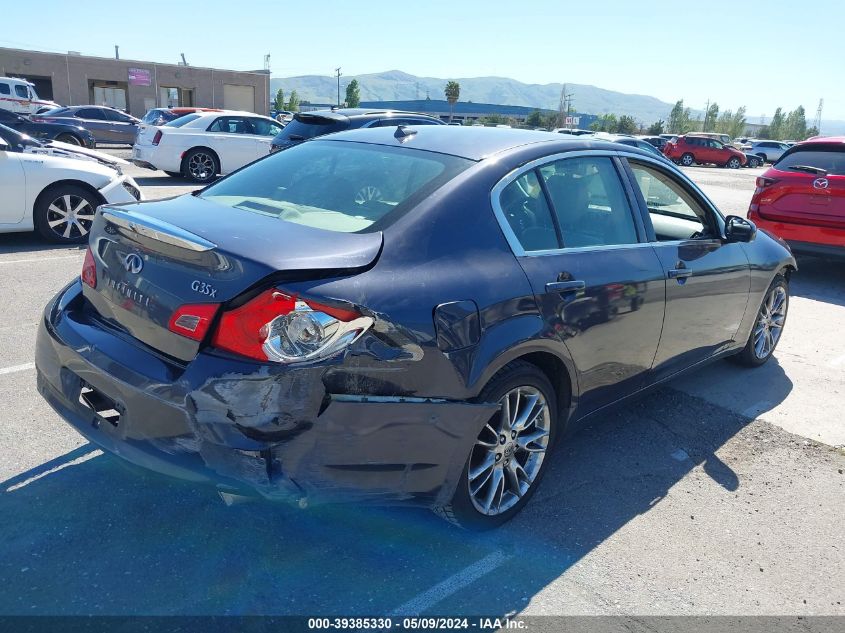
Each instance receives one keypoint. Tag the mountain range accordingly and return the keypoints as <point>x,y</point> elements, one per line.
<point>395,85</point>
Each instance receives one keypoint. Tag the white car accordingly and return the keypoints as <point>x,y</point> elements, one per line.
<point>55,188</point>
<point>202,145</point>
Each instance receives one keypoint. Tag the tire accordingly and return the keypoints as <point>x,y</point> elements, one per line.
<point>687,160</point>
<point>776,304</point>
<point>175,174</point>
<point>492,454</point>
<point>733,163</point>
<point>753,161</point>
<point>70,139</point>
<point>64,213</point>
<point>200,165</point>
<point>763,159</point>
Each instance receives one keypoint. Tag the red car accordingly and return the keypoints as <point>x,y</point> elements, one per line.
<point>689,149</point>
<point>801,198</point>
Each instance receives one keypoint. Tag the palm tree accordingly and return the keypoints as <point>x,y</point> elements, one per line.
<point>453,93</point>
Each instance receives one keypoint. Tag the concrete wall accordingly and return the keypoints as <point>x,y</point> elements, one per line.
<point>71,77</point>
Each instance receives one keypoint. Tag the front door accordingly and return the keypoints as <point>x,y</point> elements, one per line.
<point>707,279</point>
<point>599,285</point>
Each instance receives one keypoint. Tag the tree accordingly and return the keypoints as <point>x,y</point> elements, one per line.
<point>656,128</point>
<point>680,119</point>
<point>795,125</point>
<point>453,93</point>
<point>737,127</point>
<point>353,94</point>
<point>293,102</point>
<point>627,125</point>
<point>710,117</point>
<point>279,103</point>
<point>535,119</point>
<point>813,131</point>
<point>776,125</point>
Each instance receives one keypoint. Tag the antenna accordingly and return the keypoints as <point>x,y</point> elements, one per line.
<point>184,62</point>
<point>818,122</point>
<point>116,53</point>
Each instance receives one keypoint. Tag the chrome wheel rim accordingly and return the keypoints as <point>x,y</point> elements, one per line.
<point>509,452</point>
<point>70,216</point>
<point>201,166</point>
<point>770,322</point>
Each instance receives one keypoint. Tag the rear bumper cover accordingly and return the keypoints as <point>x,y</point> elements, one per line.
<point>804,238</point>
<point>251,428</point>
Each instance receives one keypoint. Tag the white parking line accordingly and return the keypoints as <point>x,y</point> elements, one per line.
<point>34,260</point>
<point>78,460</point>
<point>451,585</point>
<point>839,361</point>
<point>14,368</point>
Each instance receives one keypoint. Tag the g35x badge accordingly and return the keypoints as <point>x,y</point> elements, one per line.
<point>203,288</point>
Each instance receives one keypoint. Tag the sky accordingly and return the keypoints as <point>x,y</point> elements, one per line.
<point>697,51</point>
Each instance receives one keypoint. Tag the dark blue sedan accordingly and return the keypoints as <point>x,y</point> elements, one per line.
<point>405,314</point>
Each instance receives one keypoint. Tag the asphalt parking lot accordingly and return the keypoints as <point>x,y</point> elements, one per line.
<point>722,493</point>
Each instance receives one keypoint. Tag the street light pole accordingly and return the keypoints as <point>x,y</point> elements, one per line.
<point>337,70</point>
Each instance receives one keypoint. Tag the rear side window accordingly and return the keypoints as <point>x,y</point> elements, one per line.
<point>263,127</point>
<point>303,127</point>
<point>4,89</point>
<point>337,186</point>
<point>832,160</point>
<point>90,113</point>
<point>589,202</point>
<point>231,125</point>
<point>527,212</point>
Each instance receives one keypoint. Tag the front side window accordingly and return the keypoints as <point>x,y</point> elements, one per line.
<point>335,185</point>
<point>263,127</point>
<point>589,202</point>
<point>674,213</point>
<point>90,113</point>
<point>22,92</point>
<point>4,89</point>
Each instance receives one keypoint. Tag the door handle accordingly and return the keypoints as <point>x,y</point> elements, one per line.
<point>565,286</point>
<point>679,273</point>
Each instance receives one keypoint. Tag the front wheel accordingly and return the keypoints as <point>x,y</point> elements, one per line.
<point>768,327</point>
<point>753,161</point>
<point>65,213</point>
<point>687,160</point>
<point>734,163</point>
<point>508,460</point>
<point>70,139</point>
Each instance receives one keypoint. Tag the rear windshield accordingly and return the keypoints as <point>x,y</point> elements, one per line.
<point>182,120</point>
<point>55,111</point>
<point>832,160</point>
<point>337,185</point>
<point>303,127</point>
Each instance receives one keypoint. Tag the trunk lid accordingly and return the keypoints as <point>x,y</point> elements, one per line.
<point>804,198</point>
<point>152,258</point>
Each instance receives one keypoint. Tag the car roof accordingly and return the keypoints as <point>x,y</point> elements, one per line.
<point>829,140</point>
<point>342,114</point>
<point>474,143</point>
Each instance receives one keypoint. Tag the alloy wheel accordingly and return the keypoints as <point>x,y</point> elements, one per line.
<point>687,160</point>
<point>70,216</point>
<point>201,166</point>
<point>509,451</point>
<point>770,321</point>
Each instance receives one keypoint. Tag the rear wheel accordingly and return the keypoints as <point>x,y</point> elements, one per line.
<point>64,213</point>
<point>687,160</point>
<point>753,161</point>
<point>508,460</point>
<point>763,158</point>
<point>768,327</point>
<point>734,163</point>
<point>200,165</point>
<point>70,139</point>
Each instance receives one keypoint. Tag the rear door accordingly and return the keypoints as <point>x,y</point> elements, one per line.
<point>598,283</point>
<point>93,120</point>
<point>707,279</point>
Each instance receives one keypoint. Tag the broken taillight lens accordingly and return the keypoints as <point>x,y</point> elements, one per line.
<point>193,320</point>
<point>89,269</point>
<point>280,328</point>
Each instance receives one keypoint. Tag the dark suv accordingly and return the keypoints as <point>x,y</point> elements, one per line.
<point>307,125</point>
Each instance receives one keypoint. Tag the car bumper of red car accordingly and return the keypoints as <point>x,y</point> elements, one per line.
<point>805,239</point>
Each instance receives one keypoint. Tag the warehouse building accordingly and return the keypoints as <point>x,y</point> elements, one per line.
<point>135,86</point>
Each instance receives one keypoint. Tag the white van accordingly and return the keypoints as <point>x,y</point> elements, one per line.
<point>19,96</point>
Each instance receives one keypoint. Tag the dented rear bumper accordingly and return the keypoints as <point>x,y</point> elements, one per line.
<point>249,428</point>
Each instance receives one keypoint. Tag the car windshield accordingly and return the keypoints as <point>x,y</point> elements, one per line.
<point>337,186</point>
<point>182,120</point>
<point>304,126</point>
<point>831,160</point>
<point>15,138</point>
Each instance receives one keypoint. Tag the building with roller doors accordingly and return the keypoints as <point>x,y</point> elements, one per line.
<point>135,86</point>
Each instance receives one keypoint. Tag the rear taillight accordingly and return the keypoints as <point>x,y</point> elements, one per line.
<point>89,269</point>
<point>280,328</point>
<point>157,137</point>
<point>762,182</point>
<point>193,320</point>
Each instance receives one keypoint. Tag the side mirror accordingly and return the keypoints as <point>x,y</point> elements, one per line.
<point>739,229</point>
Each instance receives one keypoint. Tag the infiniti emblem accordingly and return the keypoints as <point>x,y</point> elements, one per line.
<point>133,263</point>
<point>820,183</point>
